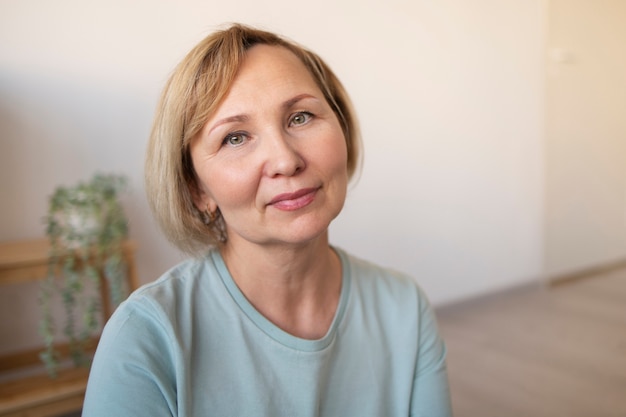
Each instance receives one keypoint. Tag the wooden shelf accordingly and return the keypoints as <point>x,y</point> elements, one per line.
<point>23,261</point>
<point>39,395</point>
<point>27,260</point>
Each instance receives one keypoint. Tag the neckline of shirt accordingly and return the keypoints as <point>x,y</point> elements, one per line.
<point>269,328</point>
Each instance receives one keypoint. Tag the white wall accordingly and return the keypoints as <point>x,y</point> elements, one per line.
<point>585,135</point>
<point>449,94</point>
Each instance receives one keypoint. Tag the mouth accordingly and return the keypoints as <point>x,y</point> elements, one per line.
<point>294,201</point>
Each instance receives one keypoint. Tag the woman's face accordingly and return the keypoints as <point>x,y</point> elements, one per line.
<point>273,156</point>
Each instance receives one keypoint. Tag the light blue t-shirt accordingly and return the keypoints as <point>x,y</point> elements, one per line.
<point>190,344</point>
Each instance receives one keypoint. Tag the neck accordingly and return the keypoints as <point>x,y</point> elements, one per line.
<point>297,287</point>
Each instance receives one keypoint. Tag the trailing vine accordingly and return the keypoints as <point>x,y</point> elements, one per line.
<point>86,226</point>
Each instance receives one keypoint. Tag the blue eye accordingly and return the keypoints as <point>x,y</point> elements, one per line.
<point>235,139</point>
<point>300,118</point>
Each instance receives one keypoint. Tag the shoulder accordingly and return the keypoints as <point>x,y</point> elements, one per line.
<point>143,345</point>
<point>158,313</point>
<point>378,285</point>
<point>365,273</point>
<point>182,277</point>
<point>167,299</point>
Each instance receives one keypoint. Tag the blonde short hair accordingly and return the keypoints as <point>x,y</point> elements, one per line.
<point>192,94</point>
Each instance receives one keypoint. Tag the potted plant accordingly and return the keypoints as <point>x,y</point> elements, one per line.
<point>86,226</point>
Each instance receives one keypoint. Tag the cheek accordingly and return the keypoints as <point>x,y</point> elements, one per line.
<point>336,155</point>
<point>229,186</point>
<point>338,165</point>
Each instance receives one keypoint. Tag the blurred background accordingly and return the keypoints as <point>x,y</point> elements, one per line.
<point>494,131</point>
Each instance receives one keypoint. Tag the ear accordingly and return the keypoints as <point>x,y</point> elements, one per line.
<point>201,197</point>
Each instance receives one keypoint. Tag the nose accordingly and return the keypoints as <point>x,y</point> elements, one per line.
<point>283,156</point>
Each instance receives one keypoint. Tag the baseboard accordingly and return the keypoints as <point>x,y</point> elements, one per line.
<point>532,285</point>
<point>583,273</point>
<point>480,299</point>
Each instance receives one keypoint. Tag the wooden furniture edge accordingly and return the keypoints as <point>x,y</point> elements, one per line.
<point>38,390</point>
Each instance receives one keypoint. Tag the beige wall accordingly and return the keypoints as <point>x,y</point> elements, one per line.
<point>585,135</point>
<point>449,94</point>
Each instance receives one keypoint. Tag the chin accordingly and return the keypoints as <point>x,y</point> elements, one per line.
<point>314,230</point>
<point>298,230</point>
<point>303,235</point>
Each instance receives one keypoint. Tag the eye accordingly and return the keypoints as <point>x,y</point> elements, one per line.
<point>235,139</point>
<point>300,118</point>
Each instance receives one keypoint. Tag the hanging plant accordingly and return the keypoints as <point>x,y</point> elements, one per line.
<point>87,227</point>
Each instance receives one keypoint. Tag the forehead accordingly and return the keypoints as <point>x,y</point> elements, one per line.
<point>263,59</point>
<point>270,69</point>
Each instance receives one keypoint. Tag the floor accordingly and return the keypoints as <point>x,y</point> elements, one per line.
<point>542,351</point>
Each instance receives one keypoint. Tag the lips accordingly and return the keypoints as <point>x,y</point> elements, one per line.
<point>295,200</point>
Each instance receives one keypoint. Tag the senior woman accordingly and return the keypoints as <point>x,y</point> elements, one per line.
<point>249,159</point>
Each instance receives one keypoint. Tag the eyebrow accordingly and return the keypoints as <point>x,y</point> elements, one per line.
<point>232,119</point>
<point>289,103</point>
<point>240,118</point>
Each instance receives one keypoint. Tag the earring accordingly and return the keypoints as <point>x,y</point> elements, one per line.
<point>208,216</point>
